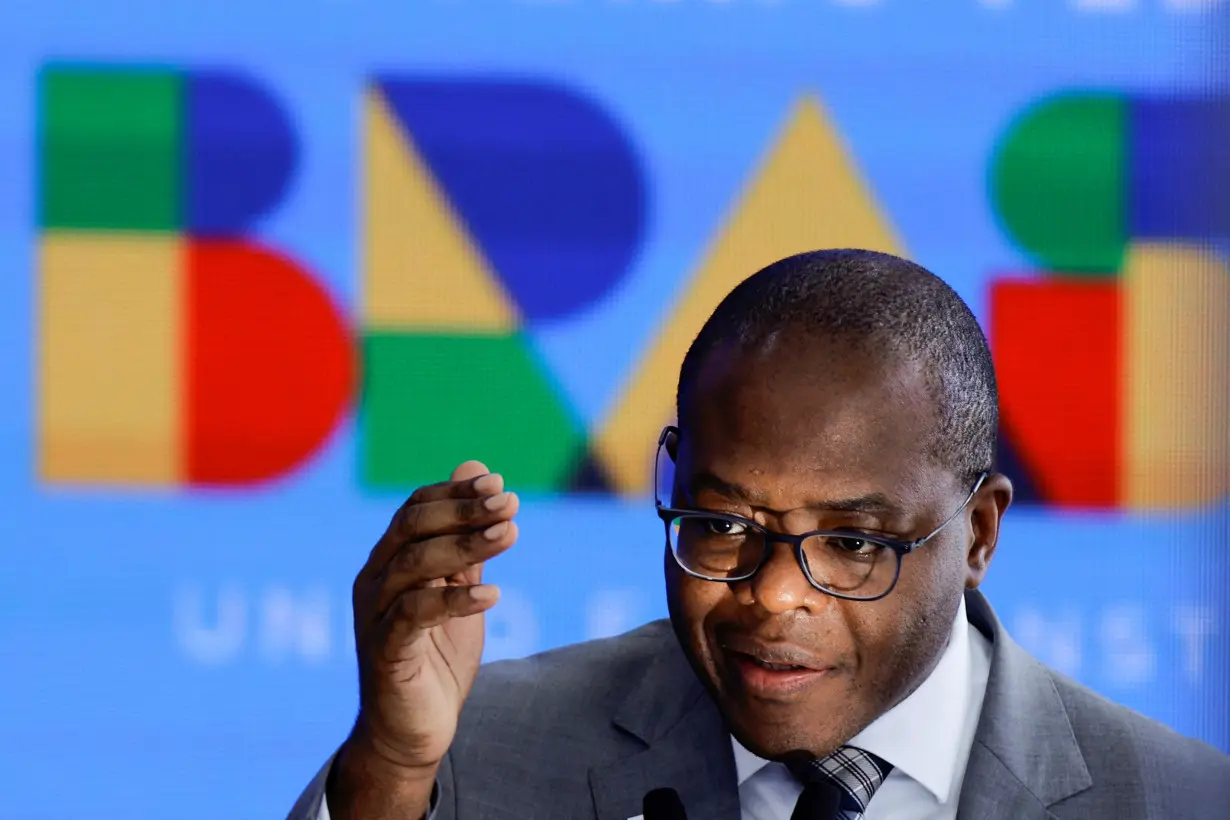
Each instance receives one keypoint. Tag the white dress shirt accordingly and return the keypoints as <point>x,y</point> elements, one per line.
<point>927,738</point>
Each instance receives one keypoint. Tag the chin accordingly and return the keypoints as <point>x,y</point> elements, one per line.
<point>779,731</point>
<point>787,740</point>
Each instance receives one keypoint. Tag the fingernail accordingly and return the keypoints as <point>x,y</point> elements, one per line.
<point>490,483</point>
<point>495,531</point>
<point>495,502</point>
<point>484,593</point>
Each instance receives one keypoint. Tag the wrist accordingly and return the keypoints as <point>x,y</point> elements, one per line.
<point>366,741</point>
<point>367,782</point>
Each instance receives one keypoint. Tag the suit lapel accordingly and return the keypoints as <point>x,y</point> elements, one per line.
<point>992,792</point>
<point>687,747</point>
<point>1025,756</point>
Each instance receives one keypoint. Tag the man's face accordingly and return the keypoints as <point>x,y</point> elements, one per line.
<point>809,436</point>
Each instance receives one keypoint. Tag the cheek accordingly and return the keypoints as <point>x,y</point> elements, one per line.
<point>935,572</point>
<point>692,604</point>
<point>912,627</point>
<point>696,600</point>
<point>889,629</point>
<point>876,633</point>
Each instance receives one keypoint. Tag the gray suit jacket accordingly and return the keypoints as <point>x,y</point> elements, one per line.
<point>584,731</point>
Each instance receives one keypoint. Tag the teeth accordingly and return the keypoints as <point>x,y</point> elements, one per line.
<point>776,667</point>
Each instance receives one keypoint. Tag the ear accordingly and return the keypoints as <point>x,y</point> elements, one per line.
<point>670,441</point>
<point>986,512</point>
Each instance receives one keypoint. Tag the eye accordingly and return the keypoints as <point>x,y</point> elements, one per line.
<point>720,526</point>
<point>854,545</point>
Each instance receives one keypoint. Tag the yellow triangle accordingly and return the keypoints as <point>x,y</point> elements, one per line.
<point>422,272</point>
<point>806,195</point>
<point>1177,357</point>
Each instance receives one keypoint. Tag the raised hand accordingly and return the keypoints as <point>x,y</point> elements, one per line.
<point>418,605</point>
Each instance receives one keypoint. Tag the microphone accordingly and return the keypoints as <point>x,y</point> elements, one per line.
<point>663,804</point>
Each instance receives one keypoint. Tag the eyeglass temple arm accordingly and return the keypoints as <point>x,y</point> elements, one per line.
<point>977,484</point>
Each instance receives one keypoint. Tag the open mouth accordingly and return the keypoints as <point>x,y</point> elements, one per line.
<point>773,667</point>
<point>774,672</point>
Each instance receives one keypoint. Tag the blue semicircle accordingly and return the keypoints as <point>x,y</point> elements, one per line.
<point>240,153</point>
<point>545,181</point>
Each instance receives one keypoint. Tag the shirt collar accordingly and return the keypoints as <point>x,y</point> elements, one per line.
<point>921,735</point>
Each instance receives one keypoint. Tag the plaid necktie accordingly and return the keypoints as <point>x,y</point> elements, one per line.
<point>852,773</point>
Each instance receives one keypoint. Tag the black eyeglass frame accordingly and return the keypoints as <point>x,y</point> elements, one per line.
<point>902,548</point>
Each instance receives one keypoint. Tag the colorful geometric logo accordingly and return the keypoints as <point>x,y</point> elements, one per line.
<point>1113,364</point>
<point>174,348</point>
<point>493,208</point>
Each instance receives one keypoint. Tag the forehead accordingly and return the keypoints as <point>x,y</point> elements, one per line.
<point>814,411</point>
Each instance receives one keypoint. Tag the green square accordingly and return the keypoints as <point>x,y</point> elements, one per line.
<point>109,149</point>
<point>432,401</point>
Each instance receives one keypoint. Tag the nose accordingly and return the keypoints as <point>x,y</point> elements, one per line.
<point>780,585</point>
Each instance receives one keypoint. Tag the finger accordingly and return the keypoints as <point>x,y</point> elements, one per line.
<point>468,470</point>
<point>455,516</point>
<point>436,509</point>
<point>444,557</point>
<point>472,487</point>
<point>419,609</point>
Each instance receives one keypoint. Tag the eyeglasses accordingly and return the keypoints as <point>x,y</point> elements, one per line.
<point>726,548</point>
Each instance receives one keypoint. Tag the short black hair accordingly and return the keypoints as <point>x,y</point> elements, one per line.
<point>880,303</point>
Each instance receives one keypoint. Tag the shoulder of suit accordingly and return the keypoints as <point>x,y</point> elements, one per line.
<point>1114,737</point>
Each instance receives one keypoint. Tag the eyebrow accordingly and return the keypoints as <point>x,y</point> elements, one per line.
<point>871,503</point>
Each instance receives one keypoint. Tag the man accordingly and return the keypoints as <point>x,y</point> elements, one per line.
<point>832,512</point>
